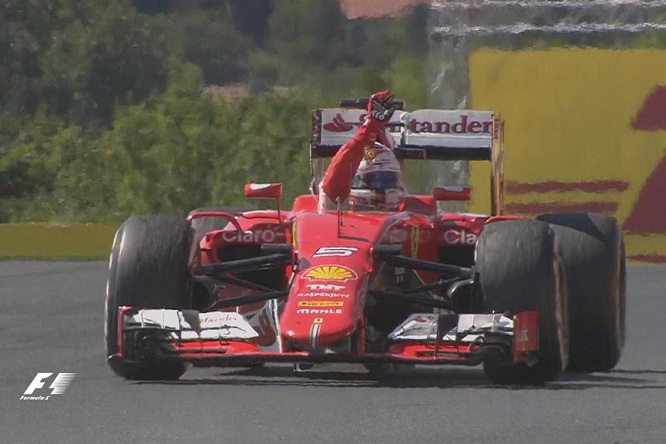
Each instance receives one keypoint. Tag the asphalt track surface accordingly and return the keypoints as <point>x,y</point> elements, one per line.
<point>51,321</point>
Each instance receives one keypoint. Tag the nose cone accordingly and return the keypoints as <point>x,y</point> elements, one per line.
<point>327,296</point>
<point>320,331</point>
<point>321,313</point>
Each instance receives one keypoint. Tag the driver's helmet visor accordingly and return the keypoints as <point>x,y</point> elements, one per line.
<point>377,180</point>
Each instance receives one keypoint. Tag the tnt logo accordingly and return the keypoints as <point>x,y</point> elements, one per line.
<point>57,387</point>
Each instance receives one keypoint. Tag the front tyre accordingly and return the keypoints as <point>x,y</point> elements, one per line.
<point>148,268</point>
<point>519,270</point>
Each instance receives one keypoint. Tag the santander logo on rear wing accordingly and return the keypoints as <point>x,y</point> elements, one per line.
<point>419,134</point>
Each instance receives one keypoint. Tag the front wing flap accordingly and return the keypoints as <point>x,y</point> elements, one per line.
<point>191,325</point>
<point>224,338</point>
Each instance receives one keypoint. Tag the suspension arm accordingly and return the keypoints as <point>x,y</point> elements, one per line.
<point>244,264</point>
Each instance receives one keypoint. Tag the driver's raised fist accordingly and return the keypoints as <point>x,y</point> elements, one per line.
<point>381,106</point>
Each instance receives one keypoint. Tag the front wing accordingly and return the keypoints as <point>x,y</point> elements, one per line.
<point>225,338</point>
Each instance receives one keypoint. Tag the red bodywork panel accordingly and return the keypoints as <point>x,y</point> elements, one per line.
<point>526,335</point>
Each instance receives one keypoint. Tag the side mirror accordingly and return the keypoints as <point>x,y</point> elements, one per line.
<point>266,191</point>
<point>263,190</point>
<point>452,193</point>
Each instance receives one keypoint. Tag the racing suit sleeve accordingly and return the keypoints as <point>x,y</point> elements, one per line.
<point>339,175</point>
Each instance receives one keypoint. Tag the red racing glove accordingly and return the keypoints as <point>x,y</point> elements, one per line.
<point>380,110</point>
<point>381,106</point>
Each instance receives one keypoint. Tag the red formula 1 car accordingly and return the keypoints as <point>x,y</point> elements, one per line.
<point>526,298</point>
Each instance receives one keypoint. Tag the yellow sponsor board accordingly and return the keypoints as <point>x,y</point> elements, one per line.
<point>44,240</point>
<point>582,134</point>
<point>320,303</point>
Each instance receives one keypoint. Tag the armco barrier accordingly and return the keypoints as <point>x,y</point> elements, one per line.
<point>44,240</point>
<point>585,131</point>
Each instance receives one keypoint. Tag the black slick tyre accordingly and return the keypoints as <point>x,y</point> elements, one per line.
<point>148,268</point>
<point>594,261</point>
<point>519,270</point>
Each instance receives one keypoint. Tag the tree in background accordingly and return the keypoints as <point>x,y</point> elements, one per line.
<point>105,114</point>
<point>213,43</point>
<point>78,57</point>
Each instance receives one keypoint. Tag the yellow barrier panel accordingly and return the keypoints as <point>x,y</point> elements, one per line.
<point>42,240</point>
<point>585,131</point>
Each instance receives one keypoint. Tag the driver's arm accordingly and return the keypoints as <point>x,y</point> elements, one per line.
<point>338,177</point>
<point>339,174</point>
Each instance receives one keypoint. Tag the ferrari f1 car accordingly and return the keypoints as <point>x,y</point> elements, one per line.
<point>525,298</point>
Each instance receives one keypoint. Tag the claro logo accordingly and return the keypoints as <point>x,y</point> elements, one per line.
<point>258,236</point>
<point>455,237</point>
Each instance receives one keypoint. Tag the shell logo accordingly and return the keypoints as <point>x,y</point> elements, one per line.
<point>330,273</point>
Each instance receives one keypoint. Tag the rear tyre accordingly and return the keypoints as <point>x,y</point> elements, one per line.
<point>148,268</point>
<point>594,261</point>
<point>519,270</point>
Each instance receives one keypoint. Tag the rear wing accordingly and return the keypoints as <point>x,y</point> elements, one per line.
<point>423,134</point>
